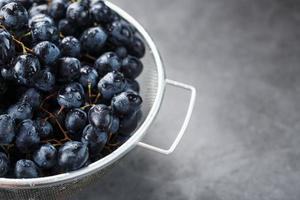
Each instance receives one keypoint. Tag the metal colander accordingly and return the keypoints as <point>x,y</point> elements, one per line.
<point>63,186</point>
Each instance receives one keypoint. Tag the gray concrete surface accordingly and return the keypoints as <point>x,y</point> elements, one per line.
<point>243,142</point>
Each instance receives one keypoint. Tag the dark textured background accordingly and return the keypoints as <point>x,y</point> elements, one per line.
<point>243,142</point>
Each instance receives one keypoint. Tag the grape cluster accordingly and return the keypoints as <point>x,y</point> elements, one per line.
<point>68,94</point>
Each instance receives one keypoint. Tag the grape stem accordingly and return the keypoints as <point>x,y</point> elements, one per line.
<point>90,92</point>
<point>7,145</point>
<point>25,49</point>
<point>66,137</point>
<point>52,141</point>
<point>87,106</point>
<point>97,98</point>
<point>25,35</point>
<point>90,57</point>
<point>42,104</point>
<point>61,110</point>
<point>6,148</point>
<point>109,137</point>
<point>114,145</point>
<point>47,98</point>
<point>61,35</point>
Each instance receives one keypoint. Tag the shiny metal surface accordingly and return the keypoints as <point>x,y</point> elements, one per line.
<point>63,186</point>
<point>185,124</point>
<point>156,89</point>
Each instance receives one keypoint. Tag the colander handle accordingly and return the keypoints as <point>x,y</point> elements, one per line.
<point>184,125</point>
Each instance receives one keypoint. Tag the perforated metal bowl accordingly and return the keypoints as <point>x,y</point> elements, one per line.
<point>153,82</point>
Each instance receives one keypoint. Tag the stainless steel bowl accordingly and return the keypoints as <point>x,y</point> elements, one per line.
<point>153,82</point>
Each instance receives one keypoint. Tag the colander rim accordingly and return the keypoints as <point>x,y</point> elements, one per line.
<point>74,176</point>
